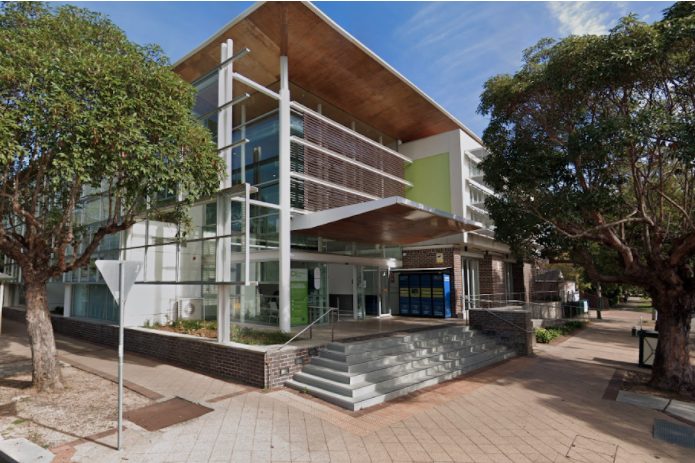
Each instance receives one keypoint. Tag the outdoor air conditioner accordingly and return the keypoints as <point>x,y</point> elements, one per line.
<point>190,308</point>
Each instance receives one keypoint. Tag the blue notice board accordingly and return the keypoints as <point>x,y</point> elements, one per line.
<point>426,295</point>
<point>403,295</point>
<point>447,295</point>
<point>438,304</point>
<point>414,294</point>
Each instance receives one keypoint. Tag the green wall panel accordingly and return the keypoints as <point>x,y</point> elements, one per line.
<point>430,179</point>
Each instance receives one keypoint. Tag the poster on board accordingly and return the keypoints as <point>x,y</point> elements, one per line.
<point>299,296</point>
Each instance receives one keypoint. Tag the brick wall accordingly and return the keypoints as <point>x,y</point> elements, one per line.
<point>247,365</point>
<point>281,365</point>
<point>512,328</point>
<point>427,258</point>
<point>523,280</point>
<point>491,275</point>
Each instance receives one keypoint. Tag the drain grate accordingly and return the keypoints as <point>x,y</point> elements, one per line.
<point>674,433</point>
<point>167,413</point>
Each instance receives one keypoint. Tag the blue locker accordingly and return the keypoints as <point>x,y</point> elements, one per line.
<point>426,294</point>
<point>414,284</point>
<point>438,304</point>
<point>403,295</point>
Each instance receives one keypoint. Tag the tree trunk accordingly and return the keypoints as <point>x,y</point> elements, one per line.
<point>599,294</point>
<point>672,369</point>
<point>46,369</point>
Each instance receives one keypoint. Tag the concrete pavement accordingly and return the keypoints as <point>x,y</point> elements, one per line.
<point>546,408</point>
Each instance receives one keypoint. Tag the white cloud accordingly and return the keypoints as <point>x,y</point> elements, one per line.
<point>579,18</point>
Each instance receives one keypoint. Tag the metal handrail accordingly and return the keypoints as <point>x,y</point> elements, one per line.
<point>310,325</point>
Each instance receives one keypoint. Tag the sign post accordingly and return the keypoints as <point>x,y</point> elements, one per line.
<point>119,276</point>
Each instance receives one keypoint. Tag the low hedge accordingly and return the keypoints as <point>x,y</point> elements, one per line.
<point>545,335</point>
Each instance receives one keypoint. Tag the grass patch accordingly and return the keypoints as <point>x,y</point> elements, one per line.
<point>545,335</point>
<point>208,329</point>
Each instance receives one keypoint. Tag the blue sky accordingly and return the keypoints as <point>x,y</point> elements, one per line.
<point>447,49</point>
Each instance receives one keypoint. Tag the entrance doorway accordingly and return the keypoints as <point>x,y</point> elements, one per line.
<point>358,291</point>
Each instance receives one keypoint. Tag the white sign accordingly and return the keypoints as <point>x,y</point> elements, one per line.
<point>110,270</point>
<point>119,276</point>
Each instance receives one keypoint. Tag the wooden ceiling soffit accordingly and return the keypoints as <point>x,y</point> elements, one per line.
<point>329,65</point>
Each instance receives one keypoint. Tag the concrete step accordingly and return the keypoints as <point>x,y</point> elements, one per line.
<point>376,361</point>
<point>390,341</point>
<point>385,393</point>
<point>341,372</point>
<point>388,380</point>
<point>404,346</point>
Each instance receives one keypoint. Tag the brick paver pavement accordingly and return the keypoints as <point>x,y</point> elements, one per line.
<point>547,408</point>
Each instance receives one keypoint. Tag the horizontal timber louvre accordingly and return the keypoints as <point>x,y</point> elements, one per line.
<point>313,196</point>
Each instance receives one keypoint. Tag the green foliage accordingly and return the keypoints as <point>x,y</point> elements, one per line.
<point>243,335</point>
<point>250,336</point>
<point>593,151</point>
<point>85,111</point>
<point>545,335</point>
<point>191,326</point>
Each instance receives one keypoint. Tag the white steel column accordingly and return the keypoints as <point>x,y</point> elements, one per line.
<point>224,204</point>
<point>67,299</point>
<point>285,204</point>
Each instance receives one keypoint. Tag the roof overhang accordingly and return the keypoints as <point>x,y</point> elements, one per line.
<point>327,62</point>
<point>394,220</point>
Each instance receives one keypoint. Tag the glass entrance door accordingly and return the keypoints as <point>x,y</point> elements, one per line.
<point>368,291</point>
<point>471,284</point>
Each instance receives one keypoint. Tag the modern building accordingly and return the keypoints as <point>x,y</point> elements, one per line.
<point>346,187</point>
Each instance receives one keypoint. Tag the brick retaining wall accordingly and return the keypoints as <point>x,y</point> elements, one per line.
<point>247,365</point>
<point>511,327</point>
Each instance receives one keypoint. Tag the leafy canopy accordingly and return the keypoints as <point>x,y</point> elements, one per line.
<point>85,111</point>
<point>592,149</point>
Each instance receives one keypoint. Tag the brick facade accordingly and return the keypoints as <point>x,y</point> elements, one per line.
<point>427,258</point>
<point>512,328</point>
<point>252,366</point>
<point>522,274</point>
<point>491,275</point>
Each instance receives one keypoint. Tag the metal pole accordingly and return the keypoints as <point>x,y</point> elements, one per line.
<point>120,353</point>
<point>285,187</point>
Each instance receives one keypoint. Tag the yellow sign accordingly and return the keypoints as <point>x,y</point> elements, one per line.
<point>440,257</point>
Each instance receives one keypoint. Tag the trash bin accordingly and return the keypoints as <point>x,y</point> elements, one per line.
<point>648,340</point>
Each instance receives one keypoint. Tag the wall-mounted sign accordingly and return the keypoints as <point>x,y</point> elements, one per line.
<point>299,296</point>
<point>440,257</point>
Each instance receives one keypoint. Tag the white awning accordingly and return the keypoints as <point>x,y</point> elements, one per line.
<point>393,220</point>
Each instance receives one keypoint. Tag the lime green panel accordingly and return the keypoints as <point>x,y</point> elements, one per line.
<point>430,179</point>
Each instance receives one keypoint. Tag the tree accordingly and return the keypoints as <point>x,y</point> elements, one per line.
<point>592,148</point>
<point>85,113</point>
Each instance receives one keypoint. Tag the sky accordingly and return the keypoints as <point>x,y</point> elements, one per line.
<point>447,49</point>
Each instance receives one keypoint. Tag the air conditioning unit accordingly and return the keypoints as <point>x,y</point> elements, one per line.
<point>190,308</point>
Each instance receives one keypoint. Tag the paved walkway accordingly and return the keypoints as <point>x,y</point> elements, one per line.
<point>547,408</point>
<point>148,376</point>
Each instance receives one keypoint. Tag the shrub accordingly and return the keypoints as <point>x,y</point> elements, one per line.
<point>545,335</point>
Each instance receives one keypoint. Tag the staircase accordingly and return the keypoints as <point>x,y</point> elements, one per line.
<point>361,374</point>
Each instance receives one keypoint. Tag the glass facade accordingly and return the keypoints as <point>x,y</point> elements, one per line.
<point>180,260</point>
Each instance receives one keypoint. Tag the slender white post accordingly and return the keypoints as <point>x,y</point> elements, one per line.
<point>284,165</point>
<point>121,322</point>
<point>242,162</point>
<point>224,205</point>
<point>2,297</point>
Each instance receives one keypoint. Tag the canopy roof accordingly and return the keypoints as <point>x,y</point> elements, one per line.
<point>393,220</point>
<point>327,62</point>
